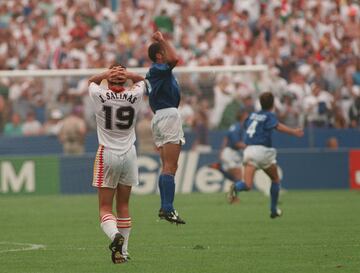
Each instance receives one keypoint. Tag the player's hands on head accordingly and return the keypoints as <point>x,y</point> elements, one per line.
<point>117,75</point>
<point>157,36</point>
<point>299,132</point>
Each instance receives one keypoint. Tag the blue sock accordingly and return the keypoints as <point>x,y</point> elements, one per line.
<point>241,186</point>
<point>167,184</point>
<point>274,192</point>
<point>161,189</point>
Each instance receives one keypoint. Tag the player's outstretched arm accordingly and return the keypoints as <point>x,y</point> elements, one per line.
<point>171,56</point>
<point>298,132</point>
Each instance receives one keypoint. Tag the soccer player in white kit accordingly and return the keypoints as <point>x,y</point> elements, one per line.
<point>115,167</point>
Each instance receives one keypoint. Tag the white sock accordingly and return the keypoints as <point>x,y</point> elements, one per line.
<point>108,225</point>
<point>124,227</point>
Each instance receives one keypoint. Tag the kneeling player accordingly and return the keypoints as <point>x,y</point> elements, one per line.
<point>230,157</point>
<point>259,153</point>
<point>115,168</point>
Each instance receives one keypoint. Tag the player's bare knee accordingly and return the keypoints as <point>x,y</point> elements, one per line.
<point>170,169</point>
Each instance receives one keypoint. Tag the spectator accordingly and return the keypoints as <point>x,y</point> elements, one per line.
<point>186,112</point>
<point>307,41</point>
<point>224,91</point>
<point>80,30</point>
<point>63,103</point>
<point>229,115</point>
<point>318,77</point>
<point>31,126</point>
<point>354,113</point>
<point>201,128</point>
<point>14,128</point>
<point>275,84</point>
<point>145,143</point>
<point>72,133</point>
<point>339,121</point>
<point>289,113</point>
<point>332,143</point>
<point>54,124</point>
<point>2,112</point>
<point>163,22</point>
<point>317,107</point>
<point>356,75</point>
<point>352,24</point>
<point>298,87</point>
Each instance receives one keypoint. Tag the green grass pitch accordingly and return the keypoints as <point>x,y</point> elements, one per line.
<point>319,232</point>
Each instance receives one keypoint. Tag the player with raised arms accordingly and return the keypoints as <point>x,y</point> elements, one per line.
<point>259,153</point>
<point>166,125</point>
<point>115,168</point>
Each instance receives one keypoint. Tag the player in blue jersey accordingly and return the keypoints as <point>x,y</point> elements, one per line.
<point>164,98</point>
<point>259,153</point>
<point>230,164</point>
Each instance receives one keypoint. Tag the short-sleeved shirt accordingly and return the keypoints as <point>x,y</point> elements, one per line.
<point>259,127</point>
<point>162,87</point>
<point>11,130</point>
<point>116,114</point>
<point>234,135</point>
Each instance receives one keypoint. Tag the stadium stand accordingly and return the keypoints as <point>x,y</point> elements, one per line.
<point>312,50</point>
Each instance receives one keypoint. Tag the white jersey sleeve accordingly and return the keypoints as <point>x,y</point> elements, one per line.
<point>116,115</point>
<point>94,92</point>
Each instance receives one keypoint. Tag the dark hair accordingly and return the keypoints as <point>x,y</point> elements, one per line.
<point>267,101</point>
<point>116,65</point>
<point>153,49</point>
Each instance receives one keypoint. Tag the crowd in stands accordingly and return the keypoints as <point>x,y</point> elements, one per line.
<point>311,47</point>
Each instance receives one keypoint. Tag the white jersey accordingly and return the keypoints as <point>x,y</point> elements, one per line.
<point>116,115</point>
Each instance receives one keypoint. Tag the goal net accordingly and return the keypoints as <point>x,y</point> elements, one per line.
<point>211,93</point>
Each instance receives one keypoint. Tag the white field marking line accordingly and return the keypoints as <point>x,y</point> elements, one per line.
<point>25,247</point>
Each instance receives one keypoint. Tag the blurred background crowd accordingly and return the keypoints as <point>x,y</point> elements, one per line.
<point>311,48</point>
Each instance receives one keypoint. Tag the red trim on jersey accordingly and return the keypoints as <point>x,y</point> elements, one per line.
<point>100,171</point>
<point>116,89</point>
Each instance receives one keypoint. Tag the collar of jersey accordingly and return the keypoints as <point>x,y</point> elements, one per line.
<point>117,89</point>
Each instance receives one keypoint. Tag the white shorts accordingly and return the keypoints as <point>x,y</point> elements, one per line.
<point>111,169</point>
<point>166,127</point>
<point>261,157</point>
<point>230,159</point>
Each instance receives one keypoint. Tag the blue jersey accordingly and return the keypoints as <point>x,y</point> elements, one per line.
<point>162,87</point>
<point>234,135</point>
<point>259,127</point>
